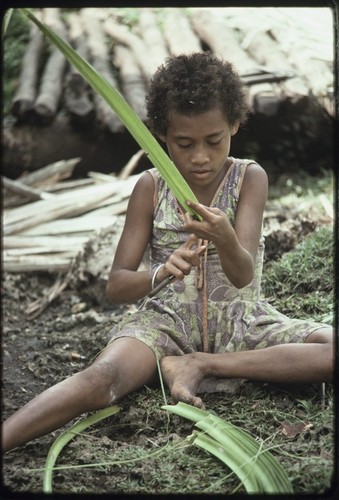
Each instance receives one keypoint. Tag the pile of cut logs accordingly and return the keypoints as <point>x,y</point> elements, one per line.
<point>127,54</point>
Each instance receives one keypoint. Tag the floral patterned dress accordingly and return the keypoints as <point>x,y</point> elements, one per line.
<point>205,312</point>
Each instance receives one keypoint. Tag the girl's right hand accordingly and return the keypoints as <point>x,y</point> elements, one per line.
<point>181,261</point>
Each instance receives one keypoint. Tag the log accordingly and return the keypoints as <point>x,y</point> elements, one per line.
<point>179,34</point>
<point>316,72</point>
<point>100,60</point>
<point>121,34</point>
<point>258,41</point>
<point>221,39</point>
<point>51,86</point>
<point>77,91</point>
<point>152,36</point>
<point>132,80</point>
<point>25,94</point>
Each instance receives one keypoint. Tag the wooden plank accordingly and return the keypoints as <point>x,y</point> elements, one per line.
<point>43,242</point>
<point>37,263</point>
<point>68,201</point>
<point>50,174</point>
<point>66,185</point>
<point>26,191</point>
<point>72,225</point>
<point>30,252</point>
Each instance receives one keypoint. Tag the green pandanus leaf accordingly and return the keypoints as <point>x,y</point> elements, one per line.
<point>256,467</point>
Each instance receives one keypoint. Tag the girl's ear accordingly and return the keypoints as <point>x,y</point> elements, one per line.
<point>234,128</point>
<point>162,138</point>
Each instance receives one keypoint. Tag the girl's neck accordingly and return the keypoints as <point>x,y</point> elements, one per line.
<point>207,194</point>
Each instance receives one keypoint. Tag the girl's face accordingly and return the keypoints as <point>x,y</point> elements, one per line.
<point>199,146</point>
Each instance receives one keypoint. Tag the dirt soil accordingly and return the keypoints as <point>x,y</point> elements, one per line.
<point>38,353</point>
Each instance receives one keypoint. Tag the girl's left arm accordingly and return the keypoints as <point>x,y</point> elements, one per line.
<point>237,247</point>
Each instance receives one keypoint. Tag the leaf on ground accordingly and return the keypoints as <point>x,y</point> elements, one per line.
<point>292,430</point>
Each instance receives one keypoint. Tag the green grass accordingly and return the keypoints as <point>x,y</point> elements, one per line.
<point>301,282</point>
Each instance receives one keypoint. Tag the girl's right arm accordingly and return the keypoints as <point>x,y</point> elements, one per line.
<point>125,283</point>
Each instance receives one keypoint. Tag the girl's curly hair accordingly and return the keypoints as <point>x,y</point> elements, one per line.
<point>192,84</point>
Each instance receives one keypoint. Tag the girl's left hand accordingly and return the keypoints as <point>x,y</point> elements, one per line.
<point>214,226</point>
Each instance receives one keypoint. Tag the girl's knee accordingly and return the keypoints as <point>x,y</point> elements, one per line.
<point>97,382</point>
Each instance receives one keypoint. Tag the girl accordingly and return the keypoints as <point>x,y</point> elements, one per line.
<point>209,323</point>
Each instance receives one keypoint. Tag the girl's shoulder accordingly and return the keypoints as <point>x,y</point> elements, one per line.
<point>246,168</point>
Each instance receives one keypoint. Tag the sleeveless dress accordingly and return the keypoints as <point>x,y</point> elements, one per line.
<point>205,312</point>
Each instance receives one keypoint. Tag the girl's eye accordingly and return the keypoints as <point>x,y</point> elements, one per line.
<point>184,146</point>
<point>215,143</point>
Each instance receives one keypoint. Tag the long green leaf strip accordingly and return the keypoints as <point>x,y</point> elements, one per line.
<point>257,469</point>
<point>136,127</point>
<point>66,436</point>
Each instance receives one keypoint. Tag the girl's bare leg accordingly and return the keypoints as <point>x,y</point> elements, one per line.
<point>126,365</point>
<point>312,361</point>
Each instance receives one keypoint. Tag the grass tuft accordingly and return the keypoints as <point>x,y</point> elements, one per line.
<point>301,282</point>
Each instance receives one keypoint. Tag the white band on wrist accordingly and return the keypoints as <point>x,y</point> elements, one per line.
<point>154,274</point>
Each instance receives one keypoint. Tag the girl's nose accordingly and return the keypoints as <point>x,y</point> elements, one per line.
<point>199,157</point>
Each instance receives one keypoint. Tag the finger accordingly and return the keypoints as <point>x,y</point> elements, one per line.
<point>191,240</point>
<point>199,208</point>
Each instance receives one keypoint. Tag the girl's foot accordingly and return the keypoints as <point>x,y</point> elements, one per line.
<point>183,375</point>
